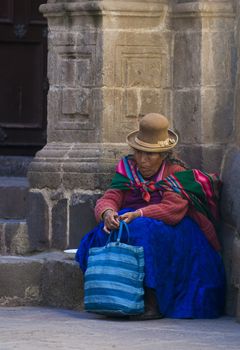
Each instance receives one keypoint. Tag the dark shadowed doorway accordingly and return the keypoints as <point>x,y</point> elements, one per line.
<point>23,77</point>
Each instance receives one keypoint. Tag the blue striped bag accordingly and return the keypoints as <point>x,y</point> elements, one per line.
<point>113,281</point>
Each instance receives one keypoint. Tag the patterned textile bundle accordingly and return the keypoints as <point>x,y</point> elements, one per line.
<point>113,281</point>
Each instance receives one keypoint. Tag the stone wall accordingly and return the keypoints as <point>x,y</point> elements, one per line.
<point>111,62</point>
<point>204,69</point>
<point>230,206</point>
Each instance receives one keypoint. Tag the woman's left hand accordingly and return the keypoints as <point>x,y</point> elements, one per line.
<point>129,216</point>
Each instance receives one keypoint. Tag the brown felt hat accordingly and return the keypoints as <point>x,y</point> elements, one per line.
<point>153,134</point>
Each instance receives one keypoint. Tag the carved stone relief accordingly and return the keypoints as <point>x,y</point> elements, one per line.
<point>74,82</point>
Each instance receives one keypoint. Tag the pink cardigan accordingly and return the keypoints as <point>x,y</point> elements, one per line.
<point>171,209</point>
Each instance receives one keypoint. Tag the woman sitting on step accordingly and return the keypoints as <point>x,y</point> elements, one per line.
<point>172,213</point>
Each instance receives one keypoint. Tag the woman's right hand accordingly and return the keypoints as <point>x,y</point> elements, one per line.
<point>111,221</point>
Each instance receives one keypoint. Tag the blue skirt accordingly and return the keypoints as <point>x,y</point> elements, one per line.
<point>180,264</point>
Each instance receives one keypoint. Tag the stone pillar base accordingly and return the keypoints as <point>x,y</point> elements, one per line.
<point>75,165</point>
<point>65,181</point>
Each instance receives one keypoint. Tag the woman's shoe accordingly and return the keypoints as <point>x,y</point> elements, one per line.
<point>148,315</point>
<point>151,307</point>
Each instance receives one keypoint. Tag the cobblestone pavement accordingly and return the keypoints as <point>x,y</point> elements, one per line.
<point>31,328</point>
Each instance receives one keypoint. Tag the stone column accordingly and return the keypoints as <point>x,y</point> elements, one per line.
<point>230,229</point>
<point>206,56</point>
<point>109,63</point>
<point>204,79</point>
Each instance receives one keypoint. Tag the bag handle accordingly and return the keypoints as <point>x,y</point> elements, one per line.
<point>122,225</point>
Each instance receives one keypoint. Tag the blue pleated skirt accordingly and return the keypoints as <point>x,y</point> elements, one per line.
<point>180,264</point>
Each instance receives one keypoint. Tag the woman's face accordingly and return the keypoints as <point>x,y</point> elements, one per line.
<point>148,162</point>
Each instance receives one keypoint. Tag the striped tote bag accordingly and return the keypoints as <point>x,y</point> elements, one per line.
<point>113,281</point>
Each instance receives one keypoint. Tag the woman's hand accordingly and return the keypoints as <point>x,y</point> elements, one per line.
<point>111,220</point>
<point>129,216</point>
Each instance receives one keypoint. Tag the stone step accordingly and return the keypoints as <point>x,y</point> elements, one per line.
<point>45,279</point>
<point>14,237</point>
<point>14,165</point>
<point>13,197</point>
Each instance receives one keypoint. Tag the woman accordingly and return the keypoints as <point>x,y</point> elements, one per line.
<point>171,212</point>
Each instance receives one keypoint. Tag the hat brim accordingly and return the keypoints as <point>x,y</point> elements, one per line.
<point>131,141</point>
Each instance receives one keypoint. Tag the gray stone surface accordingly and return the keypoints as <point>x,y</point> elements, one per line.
<point>191,155</point>
<point>16,239</point>
<point>50,279</point>
<point>71,166</point>
<point>217,103</point>
<point>227,234</point>
<point>238,306</point>
<point>187,112</point>
<point>212,157</point>
<point>38,221</point>
<point>230,232</point>
<point>218,67</point>
<point>81,217</point>
<point>231,190</point>
<point>187,47</point>
<point>13,197</point>
<point>14,166</point>
<point>207,158</point>
<point>2,240</point>
<point>43,328</point>
<point>20,281</point>
<point>235,276</point>
<point>62,284</point>
<point>49,178</point>
<point>59,224</point>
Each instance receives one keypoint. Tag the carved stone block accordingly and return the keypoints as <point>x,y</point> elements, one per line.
<point>73,109</point>
<point>76,66</point>
<point>130,103</point>
<point>67,71</point>
<point>120,116</point>
<point>76,106</point>
<point>140,66</point>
